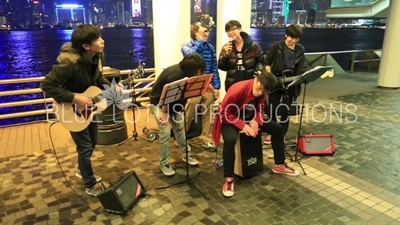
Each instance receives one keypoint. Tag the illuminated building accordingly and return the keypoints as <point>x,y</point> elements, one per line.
<point>120,12</point>
<point>70,13</point>
<point>136,9</point>
<point>36,14</point>
<point>280,10</point>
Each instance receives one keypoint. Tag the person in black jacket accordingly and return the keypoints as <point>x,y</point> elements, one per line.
<point>241,57</point>
<point>285,57</point>
<point>171,115</point>
<point>80,65</point>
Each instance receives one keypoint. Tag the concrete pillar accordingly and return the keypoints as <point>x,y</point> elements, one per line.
<point>389,75</point>
<point>171,29</point>
<point>239,10</point>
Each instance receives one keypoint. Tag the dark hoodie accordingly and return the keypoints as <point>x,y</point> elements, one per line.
<point>74,73</point>
<point>252,61</point>
<point>275,58</point>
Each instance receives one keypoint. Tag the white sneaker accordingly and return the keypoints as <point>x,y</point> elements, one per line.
<point>167,170</point>
<point>95,190</point>
<point>192,160</point>
<point>78,174</point>
<point>210,146</point>
<point>188,146</point>
<point>228,188</point>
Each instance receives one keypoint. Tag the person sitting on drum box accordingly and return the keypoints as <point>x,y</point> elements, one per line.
<point>242,110</point>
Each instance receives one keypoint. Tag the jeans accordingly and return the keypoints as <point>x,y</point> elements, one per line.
<point>176,122</point>
<point>230,134</point>
<point>85,141</point>
<point>275,106</point>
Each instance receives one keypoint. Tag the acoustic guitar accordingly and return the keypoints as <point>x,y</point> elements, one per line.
<point>75,118</point>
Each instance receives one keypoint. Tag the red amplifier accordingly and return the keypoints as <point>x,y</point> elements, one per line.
<point>317,144</point>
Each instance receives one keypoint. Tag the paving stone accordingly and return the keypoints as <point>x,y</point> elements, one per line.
<point>361,185</point>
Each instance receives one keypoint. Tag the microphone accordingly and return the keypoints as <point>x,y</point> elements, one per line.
<point>230,40</point>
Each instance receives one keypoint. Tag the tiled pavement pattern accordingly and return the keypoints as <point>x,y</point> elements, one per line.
<point>358,185</point>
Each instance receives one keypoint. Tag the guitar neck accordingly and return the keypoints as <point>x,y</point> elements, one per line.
<point>110,91</point>
<point>288,79</point>
<point>131,78</point>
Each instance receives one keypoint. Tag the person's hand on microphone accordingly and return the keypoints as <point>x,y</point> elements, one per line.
<point>228,47</point>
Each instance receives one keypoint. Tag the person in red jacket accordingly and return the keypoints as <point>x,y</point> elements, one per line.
<point>242,110</point>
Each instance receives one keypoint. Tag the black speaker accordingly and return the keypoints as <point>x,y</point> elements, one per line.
<point>119,198</point>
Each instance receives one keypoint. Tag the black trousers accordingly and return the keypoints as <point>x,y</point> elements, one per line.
<point>280,104</point>
<point>230,134</point>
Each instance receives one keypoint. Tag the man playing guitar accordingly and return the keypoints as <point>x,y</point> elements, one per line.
<point>80,65</point>
<point>285,58</point>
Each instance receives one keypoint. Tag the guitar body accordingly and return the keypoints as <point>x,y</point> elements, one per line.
<point>281,82</point>
<point>75,118</point>
<point>285,78</point>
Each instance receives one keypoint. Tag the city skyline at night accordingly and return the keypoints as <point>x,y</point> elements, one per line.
<point>46,14</point>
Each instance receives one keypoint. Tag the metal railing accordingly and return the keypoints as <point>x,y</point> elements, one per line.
<point>141,91</point>
<point>368,57</point>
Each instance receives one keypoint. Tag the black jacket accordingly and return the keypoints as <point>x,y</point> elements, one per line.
<point>169,75</point>
<point>74,73</point>
<point>275,58</point>
<point>252,61</point>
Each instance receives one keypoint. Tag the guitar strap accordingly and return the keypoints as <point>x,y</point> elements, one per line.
<point>293,60</point>
<point>283,56</point>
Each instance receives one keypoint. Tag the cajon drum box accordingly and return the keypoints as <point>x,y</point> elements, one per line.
<point>248,155</point>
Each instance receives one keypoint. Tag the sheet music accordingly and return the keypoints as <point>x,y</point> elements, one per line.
<point>197,85</point>
<point>172,92</point>
<point>318,70</point>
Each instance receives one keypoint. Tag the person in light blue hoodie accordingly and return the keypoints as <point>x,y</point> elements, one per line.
<point>199,32</point>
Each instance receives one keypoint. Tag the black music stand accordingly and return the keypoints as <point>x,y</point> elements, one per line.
<point>181,89</point>
<point>307,77</point>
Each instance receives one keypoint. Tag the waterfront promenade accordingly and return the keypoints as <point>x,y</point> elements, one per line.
<point>358,185</point>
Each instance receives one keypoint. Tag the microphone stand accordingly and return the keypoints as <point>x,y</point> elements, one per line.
<point>134,132</point>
